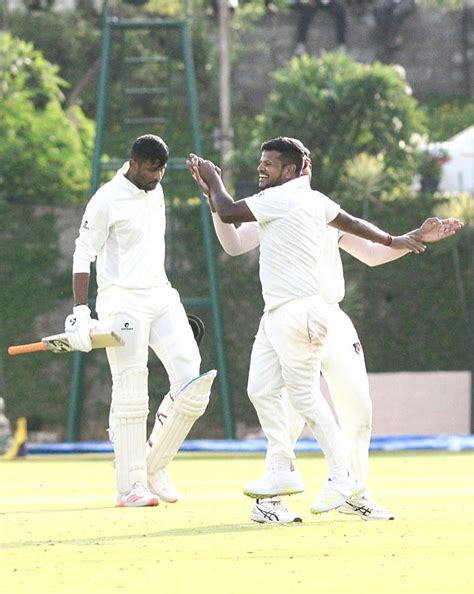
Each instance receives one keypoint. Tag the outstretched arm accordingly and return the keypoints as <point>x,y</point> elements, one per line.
<point>434,229</point>
<point>346,222</point>
<point>375,254</point>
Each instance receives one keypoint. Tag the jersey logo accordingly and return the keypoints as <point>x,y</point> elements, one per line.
<point>357,348</point>
<point>85,225</point>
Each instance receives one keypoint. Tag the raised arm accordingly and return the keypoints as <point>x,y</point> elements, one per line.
<point>236,240</point>
<point>229,211</point>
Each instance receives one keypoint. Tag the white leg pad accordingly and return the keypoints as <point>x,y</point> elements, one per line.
<point>172,426</point>
<point>127,431</point>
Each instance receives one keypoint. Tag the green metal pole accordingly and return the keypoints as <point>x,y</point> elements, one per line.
<point>229,424</point>
<point>78,362</point>
<point>101,97</point>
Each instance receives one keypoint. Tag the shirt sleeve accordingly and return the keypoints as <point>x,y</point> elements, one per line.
<point>92,234</point>
<point>268,205</point>
<point>368,252</point>
<point>236,241</point>
<point>331,208</point>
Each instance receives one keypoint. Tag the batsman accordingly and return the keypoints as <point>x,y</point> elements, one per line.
<point>123,230</point>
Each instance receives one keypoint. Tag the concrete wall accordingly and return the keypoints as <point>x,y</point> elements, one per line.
<point>437,53</point>
<point>421,403</point>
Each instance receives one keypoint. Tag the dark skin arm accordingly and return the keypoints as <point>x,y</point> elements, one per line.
<point>80,288</point>
<point>346,222</point>
<point>228,210</point>
<point>238,212</point>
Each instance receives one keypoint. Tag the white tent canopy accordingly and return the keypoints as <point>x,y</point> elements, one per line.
<point>458,172</point>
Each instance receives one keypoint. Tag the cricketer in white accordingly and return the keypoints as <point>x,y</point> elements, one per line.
<point>123,228</point>
<point>342,357</point>
<point>288,348</point>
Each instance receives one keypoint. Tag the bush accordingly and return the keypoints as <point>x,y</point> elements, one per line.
<point>448,117</point>
<point>45,151</point>
<point>340,108</point>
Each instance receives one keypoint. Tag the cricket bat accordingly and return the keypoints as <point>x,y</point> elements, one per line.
<point>59,343</point>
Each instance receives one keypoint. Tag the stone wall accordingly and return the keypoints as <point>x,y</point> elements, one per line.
<point>437,52</point>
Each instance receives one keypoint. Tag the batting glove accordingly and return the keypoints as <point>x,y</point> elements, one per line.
<point>78,326</point>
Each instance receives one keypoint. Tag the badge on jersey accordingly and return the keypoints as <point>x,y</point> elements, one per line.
<point>357,348</point>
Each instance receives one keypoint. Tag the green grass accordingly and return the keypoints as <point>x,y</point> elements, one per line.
<point>61,534</point>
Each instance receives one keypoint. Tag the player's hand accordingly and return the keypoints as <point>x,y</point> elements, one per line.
<point>207,169</point>
<point>408,242</point>
<point>192,164</point>
<point>78,326</point>
<point>307,168</point>
<point>434,229</point>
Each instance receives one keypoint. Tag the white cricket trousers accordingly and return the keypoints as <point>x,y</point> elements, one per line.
<point>343,368</point>
<point>143,318</point>
<point>287,353</point>
<point>152,318</point>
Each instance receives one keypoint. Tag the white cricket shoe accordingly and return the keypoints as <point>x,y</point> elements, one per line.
<point>161,485</point>
<point>275,482</point>
<point>365,508</point>
<point>336,491</point>
<point>138,496</point>
<point>272,511</point>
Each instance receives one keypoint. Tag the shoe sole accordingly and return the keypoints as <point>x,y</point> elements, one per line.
<point>161,497</point>
<point>151,503</point>
<point>260,520</point>
<point>280,493</point>
<point>366,518</point>
<point>337,504</point>
<point>166,500</point>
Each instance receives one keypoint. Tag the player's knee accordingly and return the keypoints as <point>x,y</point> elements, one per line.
<point>130,392</point>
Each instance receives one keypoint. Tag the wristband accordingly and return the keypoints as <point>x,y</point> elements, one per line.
<point>389,240</point>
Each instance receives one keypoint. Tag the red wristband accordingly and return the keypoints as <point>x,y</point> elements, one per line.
<point>389,240</point>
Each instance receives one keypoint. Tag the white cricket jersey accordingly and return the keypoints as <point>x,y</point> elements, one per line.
<point>331,270</point>
<point>291,219</point>
<point>124,228</point>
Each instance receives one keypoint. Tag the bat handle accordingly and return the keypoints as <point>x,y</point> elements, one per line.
<point>33,347</point>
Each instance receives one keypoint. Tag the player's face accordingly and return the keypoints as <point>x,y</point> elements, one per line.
<point>146,175</point>
<point>271,170</point>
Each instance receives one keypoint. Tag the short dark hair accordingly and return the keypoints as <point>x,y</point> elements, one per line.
<point>149,148</point>
<point>292,150</point>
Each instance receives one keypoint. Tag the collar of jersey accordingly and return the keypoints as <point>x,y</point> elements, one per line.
<point>298,182</point>
<point>130,186</point>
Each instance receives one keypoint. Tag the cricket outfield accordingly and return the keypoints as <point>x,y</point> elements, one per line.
<point>61,534</point>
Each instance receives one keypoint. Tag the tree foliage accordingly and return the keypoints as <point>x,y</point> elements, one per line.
<point>44,150</point>
<point>340,108</point>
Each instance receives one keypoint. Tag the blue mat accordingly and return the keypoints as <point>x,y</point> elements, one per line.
<point>453,443</point>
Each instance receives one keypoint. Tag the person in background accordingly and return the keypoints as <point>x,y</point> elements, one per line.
<point>307,9</point>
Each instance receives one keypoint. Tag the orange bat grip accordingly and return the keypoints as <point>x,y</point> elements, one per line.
<point>33,347</point>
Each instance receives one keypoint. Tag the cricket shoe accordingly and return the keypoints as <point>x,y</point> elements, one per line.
<point>276,482</point>
<point>336,491</point>
<point>365,508</point>
<point>138,496</point>
<point>161,485</point>
<point>272,511</point>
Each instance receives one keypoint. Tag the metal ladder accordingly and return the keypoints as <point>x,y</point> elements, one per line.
<point>133,89</point>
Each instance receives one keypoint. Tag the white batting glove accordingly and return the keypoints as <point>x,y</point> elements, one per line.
<point>78,326</point>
